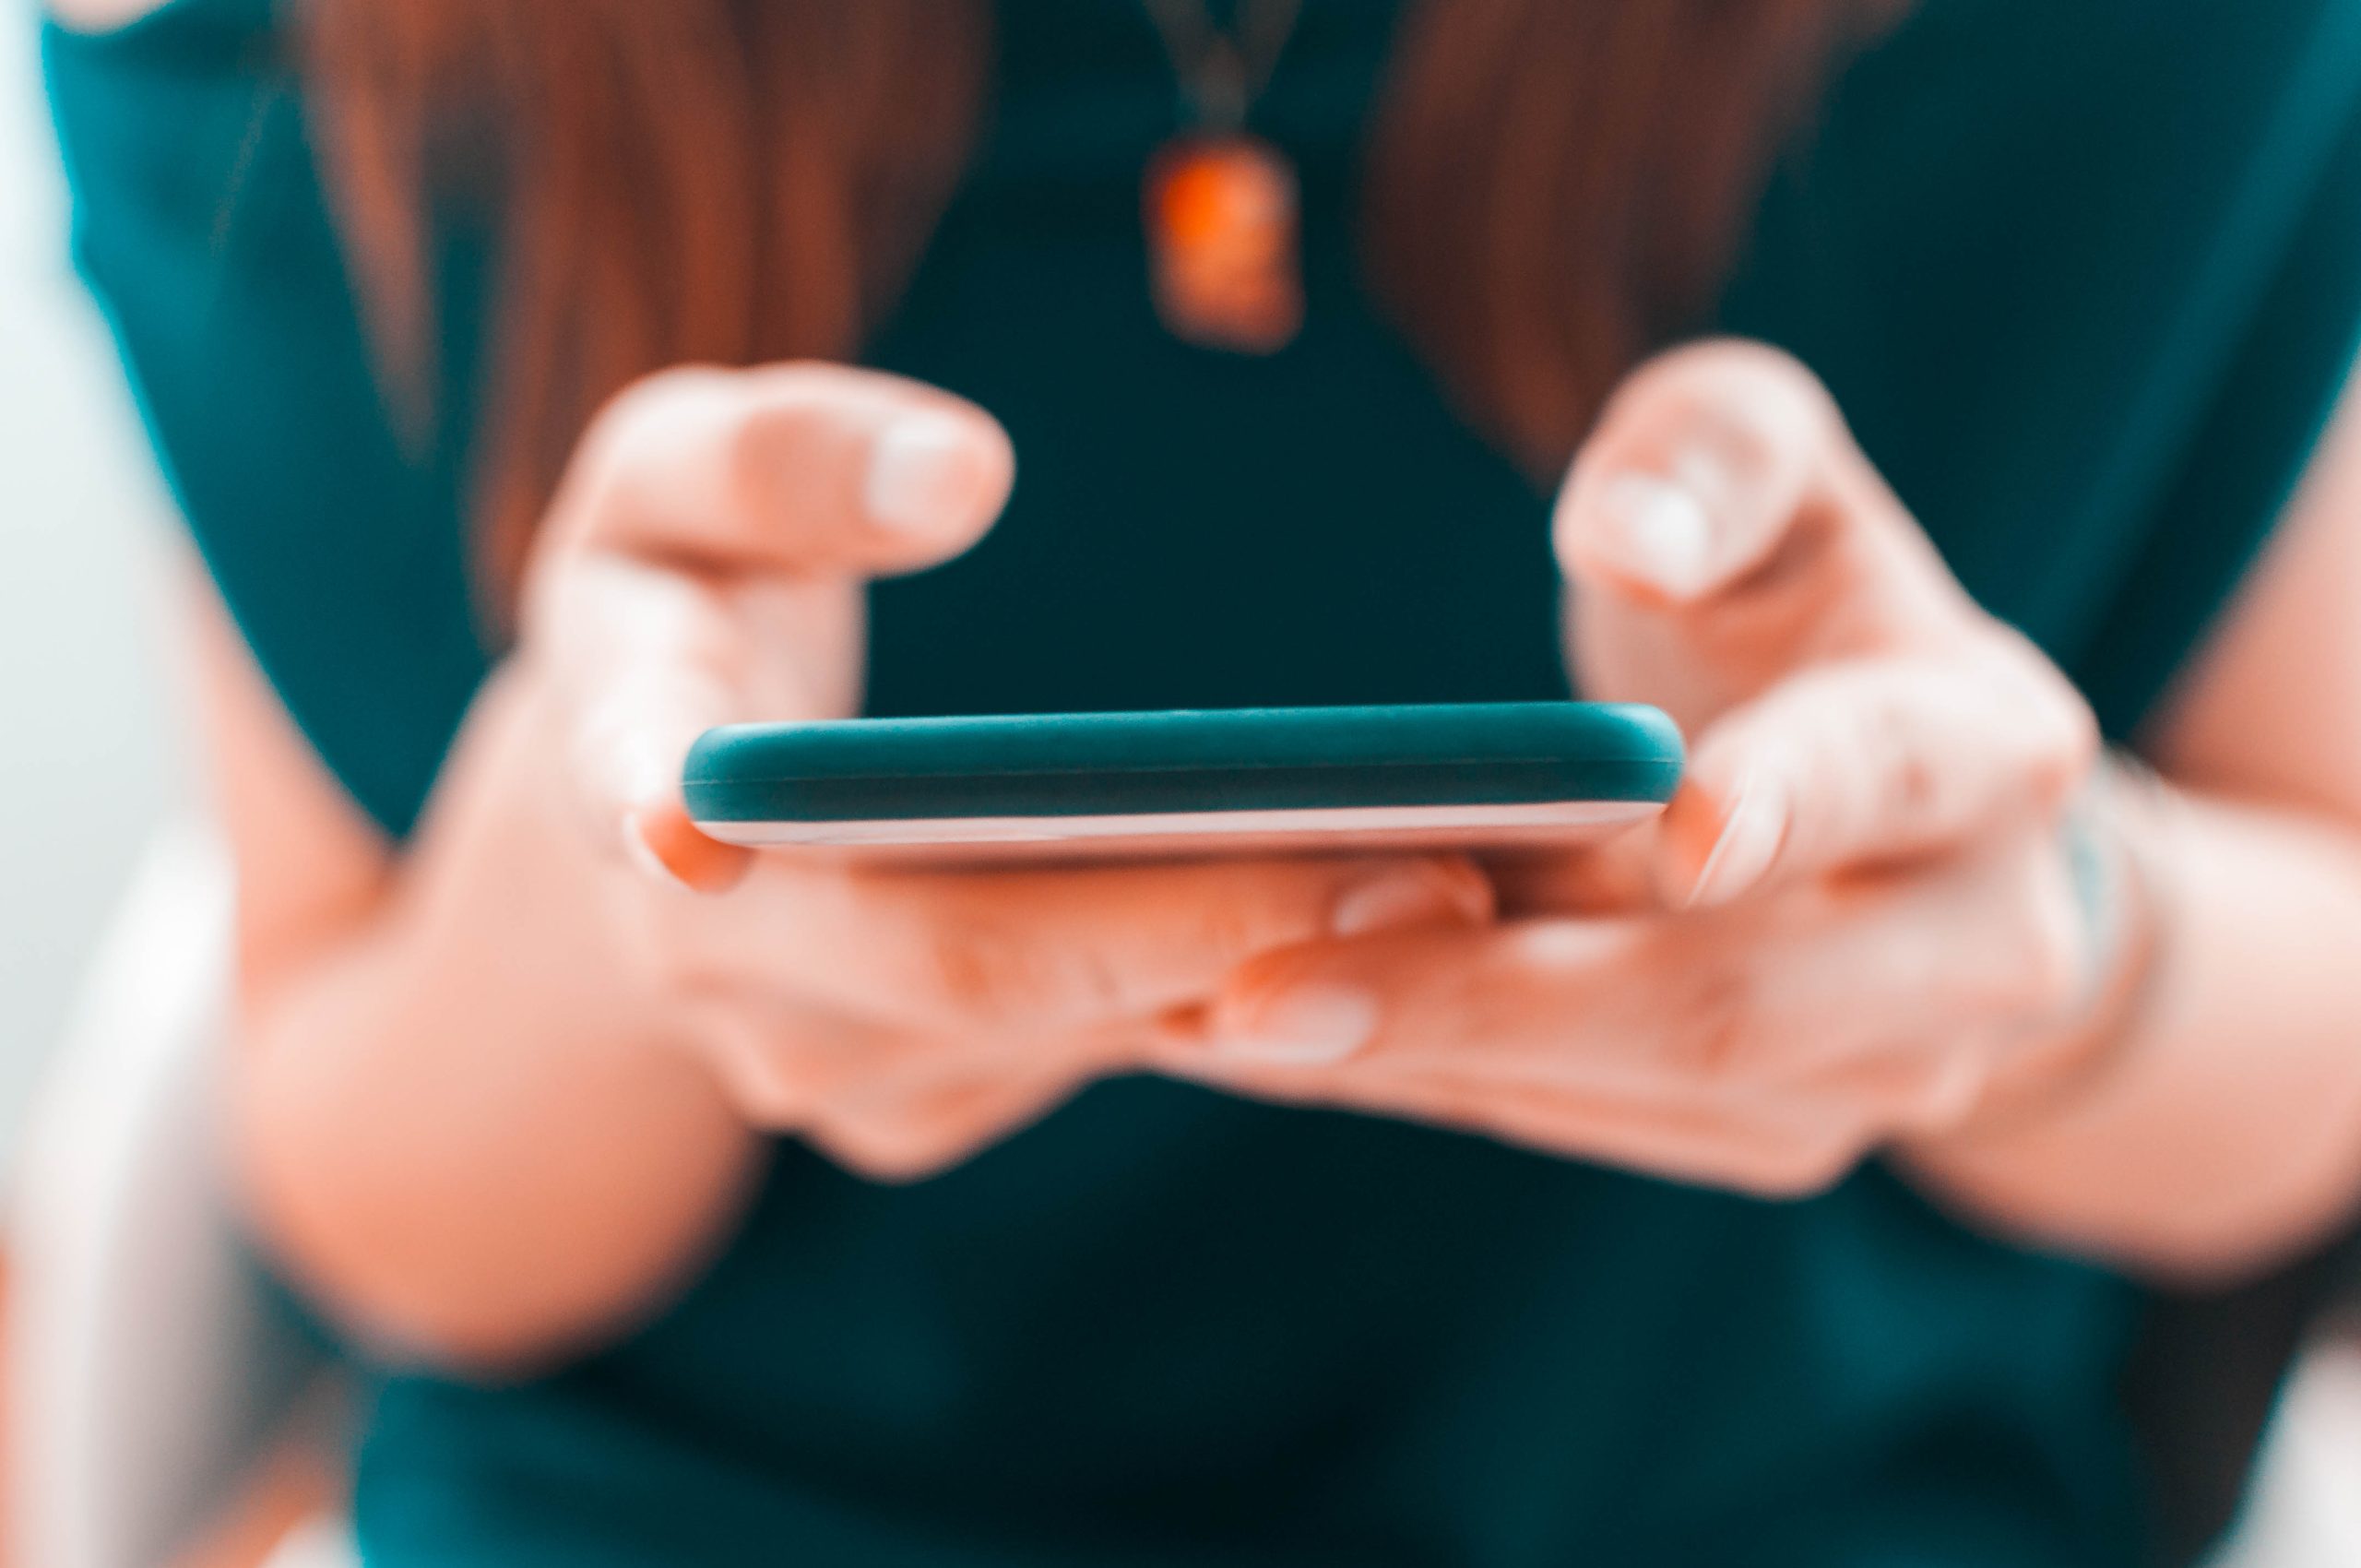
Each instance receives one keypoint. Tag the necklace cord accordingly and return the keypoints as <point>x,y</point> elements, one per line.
<point>1224,76</point>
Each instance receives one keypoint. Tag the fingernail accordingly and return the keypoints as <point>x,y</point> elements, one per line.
<point>1657,532</point>
<point>1716,477</point>
<point>1307,1025</point>
<point>663,842</point>
<point>1743,851</point>
<point>924,473</point>
<point>1409,898</point>
<point>641,854</point>
<point>1957,1092</point>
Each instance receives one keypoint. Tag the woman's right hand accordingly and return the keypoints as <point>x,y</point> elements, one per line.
<point>704,564</point>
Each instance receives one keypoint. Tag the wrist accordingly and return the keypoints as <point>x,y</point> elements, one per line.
<point>2060,1070</point>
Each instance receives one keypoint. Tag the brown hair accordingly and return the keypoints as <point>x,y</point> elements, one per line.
<point>1554,188</point>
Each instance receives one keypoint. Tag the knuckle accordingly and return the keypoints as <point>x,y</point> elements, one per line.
<point>658,938</point>
<point>1742,379</point>
<point>1242,925</point>
<point>766,1091</point>
<point>634,420</point>
<point>761,1071</point>
<point>1948,1095</point>
<point>1909,777</point>
<point>1913,788</point>
<point>2064,767</point>
<point>2046,955</point>
<point>1082,979</point>
<point>2063,745</point>
<point>1802,1170</point>
<point>1714,1036</point>
<point>794,403</point>
<point>978,973</point>
<point>638,436</point>
<point>881,1147</point>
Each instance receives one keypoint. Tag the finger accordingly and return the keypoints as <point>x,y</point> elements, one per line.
<point>1864,978</point>
<point>1787,1107</point>
<point>789,1065</point>
<point>642,660</point>
<point>1031,950</point>
<point>780,1067</point>
<point>960,1101</point>
<point>804,468</point>
<point>1735,1001</point>
<point>1613,877</point>
<point>921,1135</point>
<point>706,503</point>
<point>1642,1010</point>
<point>1527,999</point>
<point>1873,762</point>
<point>1723,476</point>
<point>1875,1011</point>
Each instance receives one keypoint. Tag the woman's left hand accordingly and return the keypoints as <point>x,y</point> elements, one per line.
<point>1859,923</point>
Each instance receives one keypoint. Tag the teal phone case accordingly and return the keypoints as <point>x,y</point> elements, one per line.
<point>1139,763</point>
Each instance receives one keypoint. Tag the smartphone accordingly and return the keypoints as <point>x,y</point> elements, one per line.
<point>1107,786</point>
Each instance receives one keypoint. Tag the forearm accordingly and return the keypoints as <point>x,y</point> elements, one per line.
<point>457,1132</point>
<point>2222,1131</point>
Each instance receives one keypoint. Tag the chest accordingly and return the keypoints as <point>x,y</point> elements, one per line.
<point>1195,527</point>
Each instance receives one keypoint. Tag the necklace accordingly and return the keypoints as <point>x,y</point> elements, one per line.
<point>1220,203</point>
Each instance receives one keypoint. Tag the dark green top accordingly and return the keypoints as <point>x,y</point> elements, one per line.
<point>2087,277</point>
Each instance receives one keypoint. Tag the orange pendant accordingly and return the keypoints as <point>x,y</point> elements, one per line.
<point>1224,242</point>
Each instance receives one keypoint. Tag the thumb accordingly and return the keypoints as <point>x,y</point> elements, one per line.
<point>1866,762</point>
<point>644,659</point>
<point>1723,497</point>
<point>703,562</point>
<point>811,469</point>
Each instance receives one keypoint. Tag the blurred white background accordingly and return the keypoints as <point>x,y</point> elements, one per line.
<point>89,741</point>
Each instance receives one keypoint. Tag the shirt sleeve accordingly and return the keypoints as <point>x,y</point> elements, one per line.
<point>2086,279</point>
<point>202,228</point>
<point>2254,441</point>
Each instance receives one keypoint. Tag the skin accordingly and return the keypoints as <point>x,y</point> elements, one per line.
<point>96,16</point>
<point>1865,935</point>
<point>498,1095</point>
<point>623,1041</point>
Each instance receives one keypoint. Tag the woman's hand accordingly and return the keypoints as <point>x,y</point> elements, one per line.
<point>504,1091</point>
<point>704,565</point>
<point>1861,919</point>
